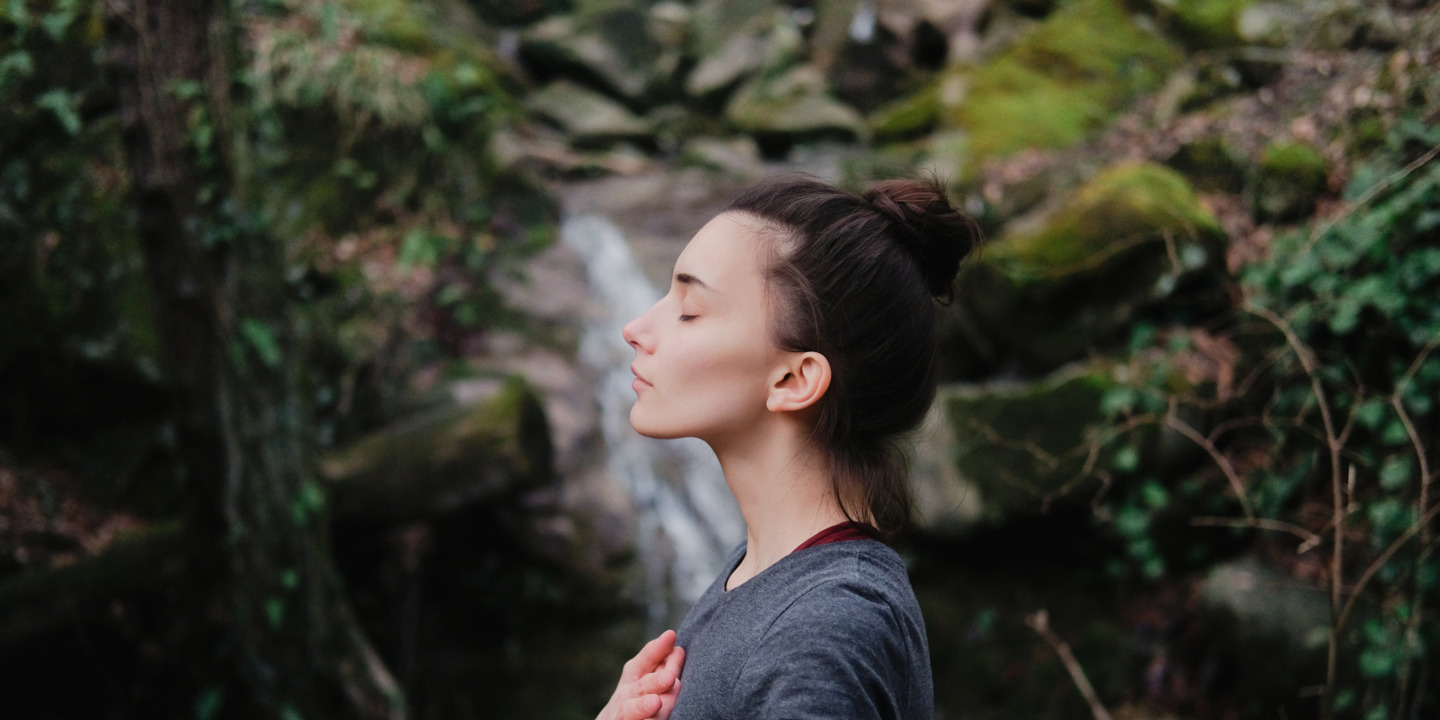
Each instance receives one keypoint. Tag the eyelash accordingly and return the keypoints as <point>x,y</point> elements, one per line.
<point>686,318</point>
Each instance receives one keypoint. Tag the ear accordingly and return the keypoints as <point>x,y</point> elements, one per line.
<point>801,382</point>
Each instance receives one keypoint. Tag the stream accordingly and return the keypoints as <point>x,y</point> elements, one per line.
<point>687,521</point>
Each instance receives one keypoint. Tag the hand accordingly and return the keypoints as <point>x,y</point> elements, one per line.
<point>649,683</point>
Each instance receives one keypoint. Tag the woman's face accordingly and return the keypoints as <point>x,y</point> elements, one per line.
<point>703,355</point>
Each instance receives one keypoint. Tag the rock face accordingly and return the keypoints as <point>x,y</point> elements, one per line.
<point>1069,285</point>
<point>790,107</point>
<point>1003,449</point>
<point>489,441</point>
<point>588,118</point>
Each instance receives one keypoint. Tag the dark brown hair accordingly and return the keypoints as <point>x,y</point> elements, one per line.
<point>855,278</point>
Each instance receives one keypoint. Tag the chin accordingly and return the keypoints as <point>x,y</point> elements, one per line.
<point>651,429</point>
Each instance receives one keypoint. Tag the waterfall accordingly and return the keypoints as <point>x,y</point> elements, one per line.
<point>688,521</point>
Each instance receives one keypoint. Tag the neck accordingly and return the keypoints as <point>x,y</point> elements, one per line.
<point>783,487</point>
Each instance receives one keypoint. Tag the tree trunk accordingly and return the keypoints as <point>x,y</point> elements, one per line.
<point>283,637</point>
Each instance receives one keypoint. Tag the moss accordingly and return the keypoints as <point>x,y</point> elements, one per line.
<point>1204,23</point>
<point>910,116</point>
<point>1060,82</point>
<point>1117,209</point>
<point>1020,443</point>
<point>1292,177</point>
<point>1295,163</point>
<point>1121,244</point>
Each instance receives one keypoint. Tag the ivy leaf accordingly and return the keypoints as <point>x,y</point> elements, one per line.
<point>262,340</point>
<point>1395,473</point>
<point>62,105</point>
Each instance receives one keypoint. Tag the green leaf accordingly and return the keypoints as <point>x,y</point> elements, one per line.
<point>274,612</point>
<point>208,703</point>
<point>1395,474</point>
<point>262,340</point>
<point>1370,413</point>
<point>420,248</point>
<point>1155,495</point>
<point>1127,458</point>
<point>62,105</point>
<point>1377,663</point>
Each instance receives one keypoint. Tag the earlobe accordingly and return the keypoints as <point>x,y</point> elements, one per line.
<point>805,381</point>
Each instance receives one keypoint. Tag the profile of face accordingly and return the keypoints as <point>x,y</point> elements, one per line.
<point>704,358</point>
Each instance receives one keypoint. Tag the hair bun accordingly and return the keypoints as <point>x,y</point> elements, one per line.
<point>935,234</point>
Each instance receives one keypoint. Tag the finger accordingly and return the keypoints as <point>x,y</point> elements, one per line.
<point>640,708</point>
<point>655,683</point>
<point>652,655</point>
<point>667,702</point>
<point>675,660</point>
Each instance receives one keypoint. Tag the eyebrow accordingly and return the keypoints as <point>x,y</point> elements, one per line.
<point>688,279</point>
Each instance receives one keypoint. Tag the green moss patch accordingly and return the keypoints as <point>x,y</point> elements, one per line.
<point>1061,82</point>
<point>1119,208</point>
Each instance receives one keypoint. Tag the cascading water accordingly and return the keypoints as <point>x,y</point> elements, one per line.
<point>687,518</point>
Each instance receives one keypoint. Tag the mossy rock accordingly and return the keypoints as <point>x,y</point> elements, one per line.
<point>1122,242</point>
<point>611,50</point>
<point>1210,164</point>
<point>446,458</point>
<point>589,119</point>
<point>1059,83</point>
<point>1202,23</point>
<point>907,117</point>
<point>1018,444</point>
<point>792,106</point>
<point>1292,177</point>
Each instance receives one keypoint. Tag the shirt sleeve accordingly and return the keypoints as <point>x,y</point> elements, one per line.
<point>836,652</point>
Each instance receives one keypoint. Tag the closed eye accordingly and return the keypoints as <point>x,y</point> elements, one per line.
<point>687,318</point>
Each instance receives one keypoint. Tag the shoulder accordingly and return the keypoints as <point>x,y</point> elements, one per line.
<point>847,639</point>
<point>850,589</point>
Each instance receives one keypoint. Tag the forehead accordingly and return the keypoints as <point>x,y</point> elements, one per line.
<point>726,252</point>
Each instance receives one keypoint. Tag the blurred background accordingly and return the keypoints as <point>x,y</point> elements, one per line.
<point>313,398</point>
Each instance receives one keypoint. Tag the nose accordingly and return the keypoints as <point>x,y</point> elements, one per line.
<point>636,332</point>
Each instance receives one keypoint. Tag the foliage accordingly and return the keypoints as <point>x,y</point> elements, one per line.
<point>1333,383</point>
<point>359,132</point>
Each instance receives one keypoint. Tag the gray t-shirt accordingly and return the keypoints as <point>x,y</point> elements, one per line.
<point>832,631</point>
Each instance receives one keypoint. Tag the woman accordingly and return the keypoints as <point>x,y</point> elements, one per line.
<point>798,341</point>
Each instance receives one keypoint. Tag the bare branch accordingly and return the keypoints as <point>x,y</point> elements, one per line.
<point>1237,485</point>
<point>1311,539</point>
<point>1040,623</point>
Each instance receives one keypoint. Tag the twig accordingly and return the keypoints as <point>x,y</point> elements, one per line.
<point>1380,562</point>
<point>1311,539</point>
<point>1236,484</point>
<point>1368,195</point>
<point>1040,623</point>
<point>1337,492</point>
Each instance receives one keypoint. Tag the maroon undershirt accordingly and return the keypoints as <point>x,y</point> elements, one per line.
<point>848,530</point>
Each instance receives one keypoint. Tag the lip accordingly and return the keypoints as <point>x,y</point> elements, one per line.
<point>640,382</point>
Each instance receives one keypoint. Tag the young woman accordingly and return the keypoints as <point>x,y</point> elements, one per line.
<point>798,340</point>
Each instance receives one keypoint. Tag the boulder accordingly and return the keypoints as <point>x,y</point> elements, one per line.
<point>612,51</point>
<point>998,450</point>
<point>1210,164</point>
<point>907,117</point>
<point>792,106</point>
<point>1201,23</point>
<point>716,21</point>
<point>1059,82</point>
<point>1073,280</point>
<point>588,118</point>
<point>742,55</point>
<point>1268,604</point>
<point>491,439</point>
